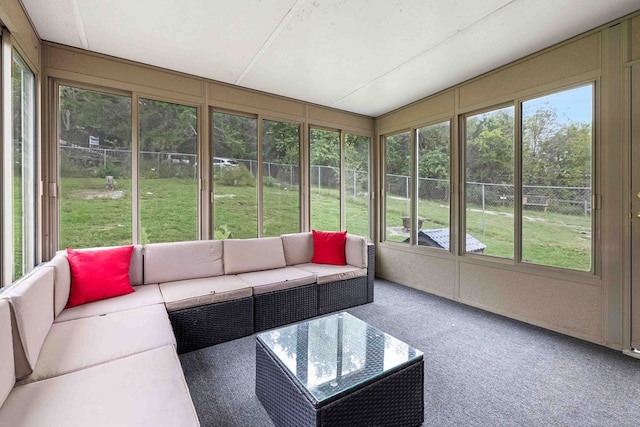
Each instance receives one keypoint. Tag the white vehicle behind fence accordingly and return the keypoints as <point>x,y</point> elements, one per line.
<point>224,162</point>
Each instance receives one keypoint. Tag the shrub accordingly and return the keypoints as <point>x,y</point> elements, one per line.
<point>238,176</point>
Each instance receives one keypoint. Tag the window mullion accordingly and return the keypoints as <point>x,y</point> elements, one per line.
<point>517,182</point>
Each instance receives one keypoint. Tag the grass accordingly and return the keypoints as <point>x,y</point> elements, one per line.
<point>549,238</point>
<point>169,213</point>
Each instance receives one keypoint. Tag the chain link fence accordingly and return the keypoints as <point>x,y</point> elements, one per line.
<point>556,199</point>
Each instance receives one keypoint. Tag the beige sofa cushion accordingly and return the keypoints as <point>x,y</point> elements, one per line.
<point>62,280</point>
<point>7,369</point>
<point>331,273</point>
<point>355,250</point>
<point>79,344</point>
<point>146,389</point>
<point>245,255</point>
<point>196,292</point>
<point>277,279</point>
<point>144,295</point>
<point>298,247</point>
<point>169,262</point>
<point>31,301</point>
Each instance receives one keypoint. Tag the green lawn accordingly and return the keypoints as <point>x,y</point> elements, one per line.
<point>548,238</point>
<point>91,217</point>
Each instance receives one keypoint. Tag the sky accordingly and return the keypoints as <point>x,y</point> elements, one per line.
<point>575,104</point>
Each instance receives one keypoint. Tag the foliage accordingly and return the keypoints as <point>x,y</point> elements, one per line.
<point>222,232</point>
<point>108,169</point>
<point>85,113</point>
<point>235,176</point>
<point>235,136</point>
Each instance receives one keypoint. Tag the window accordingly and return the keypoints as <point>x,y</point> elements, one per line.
<point>434,164</point>
<point>554,189</point>
<point>489,191</point>
<point>557,141</point>
<point>280,178</point>
<point>235,162</point>
<point>357,192</point>
<point>325,179</point>
<point>168,172</point>
<point>94,154</point>
<point>24,167</point>
<point>398,210</point>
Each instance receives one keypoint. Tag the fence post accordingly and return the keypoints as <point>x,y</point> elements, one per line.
<point>354,185</point>
<point>104,159</point>
<point>483,229</point>
<point>406,187</point>
<point>319,171</point>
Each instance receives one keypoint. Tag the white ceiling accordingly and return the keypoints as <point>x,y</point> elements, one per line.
<point>364,56</point>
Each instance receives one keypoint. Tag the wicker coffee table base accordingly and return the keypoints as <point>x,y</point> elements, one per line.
<point>395,399</point>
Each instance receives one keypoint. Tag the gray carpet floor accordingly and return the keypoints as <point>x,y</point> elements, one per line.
<point>481,369</point>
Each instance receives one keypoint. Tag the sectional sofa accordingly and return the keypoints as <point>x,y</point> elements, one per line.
<point>115,361</point>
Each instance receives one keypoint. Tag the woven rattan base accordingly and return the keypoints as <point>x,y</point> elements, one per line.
<point>334,296</point>
<point>396,399</point>
<point>199,327</point>
<point>273,309</point>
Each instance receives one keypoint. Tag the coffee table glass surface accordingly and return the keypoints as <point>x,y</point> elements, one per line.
<point>331,355</point>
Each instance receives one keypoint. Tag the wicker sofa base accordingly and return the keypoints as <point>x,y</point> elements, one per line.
<point>334,296</point>
<point>395,399</point>
<point>206,325</point>
<point>273,309</point>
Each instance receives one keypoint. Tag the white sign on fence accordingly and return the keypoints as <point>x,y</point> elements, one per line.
<point>94,141</point>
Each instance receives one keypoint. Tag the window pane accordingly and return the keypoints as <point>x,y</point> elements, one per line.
<point>557,135</point>
<point>168,172</point>
<point>489,183</point>
<point>325,179</point>
<point>357,198</point>
<point>95,168</point>
<point>235,199</point>
<point>433,185</point>
<point>24,172</point>
<point>280,178</point>
<point>398,187</point>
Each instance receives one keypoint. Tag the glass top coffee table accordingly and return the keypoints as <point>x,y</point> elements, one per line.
<point>338,370</point>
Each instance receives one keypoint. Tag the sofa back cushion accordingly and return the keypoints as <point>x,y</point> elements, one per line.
<point>245,255</point>
<point>298,247</point>
<point>355,250</point>
<point>7,369</point>
<point>62,281</point>
<point>170,262</point>
<point>31,301</point>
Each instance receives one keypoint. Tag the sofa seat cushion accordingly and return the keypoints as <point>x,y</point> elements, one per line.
<point>277,279</point>
<point>146,389</point>
<point>82,343</point>
<point>332,273</point>
<point>196,292</point>
<point>173,261</point>
<point>7,370</point>
<point>143,296</point>
<point>247,255</point>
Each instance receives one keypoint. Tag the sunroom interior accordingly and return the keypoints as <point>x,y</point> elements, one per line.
<point>488,167</point>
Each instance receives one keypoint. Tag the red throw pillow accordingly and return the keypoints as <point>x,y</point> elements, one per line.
<point>99,274</point>
<point>328,247</point>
